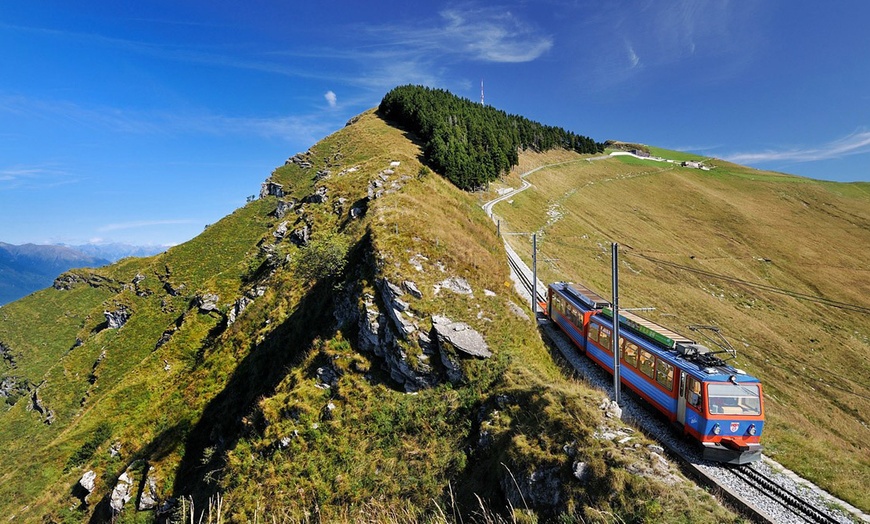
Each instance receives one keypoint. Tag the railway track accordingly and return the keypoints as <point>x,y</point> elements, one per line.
<point>776,492</point>
<point>762,498</point>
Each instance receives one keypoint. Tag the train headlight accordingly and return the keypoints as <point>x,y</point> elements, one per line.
<point>752,429</point>
<point>716,429</point>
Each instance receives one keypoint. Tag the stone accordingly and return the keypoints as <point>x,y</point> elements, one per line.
<point>581,471</point>
<point>412,288</point>
<point>318,197</point>
<point>284,207</point>
<point>88,481</point>
<point>270,188</point>
<point>457,285</point>
<point>540,489</point>
<point>207,302</point>
<point>7,356</point>
<point>148,499</point>
<point>117,318</point>
<point>460,336</point>
<point>281,231</point>
<point>121,494</point>
<point>301,236</point>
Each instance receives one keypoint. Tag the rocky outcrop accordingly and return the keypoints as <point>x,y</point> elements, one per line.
<point>87,484</point>
<point>7,356</point>
<point>37,405</point>
<point>243,302</point>
<point>270,188</point>
<point>539,489</point>
<point>207,302</point>
<point>301,235</point>
<point>148,497</point>
<point>302,160</point>
<point>118,317</point>
<point>318,197</point>
<point>70,279</point>
<point>121,493</point>
<point>284,207</point>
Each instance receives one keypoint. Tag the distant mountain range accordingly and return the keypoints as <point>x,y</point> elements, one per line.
<point>29,267</point>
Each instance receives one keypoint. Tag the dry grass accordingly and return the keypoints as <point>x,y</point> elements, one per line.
<point>785,232</point>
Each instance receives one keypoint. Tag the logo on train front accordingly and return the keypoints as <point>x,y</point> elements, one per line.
<point>734,427</point>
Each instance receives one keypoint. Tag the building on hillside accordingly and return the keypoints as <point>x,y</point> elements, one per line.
<point>639,152</point>
<point>693,165</point>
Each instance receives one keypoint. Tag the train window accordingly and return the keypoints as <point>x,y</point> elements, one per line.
<point>604,338</point>
<point>734,399</point>
<point>593,332</point>
<point>664,374</point>
<point>693,387</point>
<point>647,363</point>
<point>629,353</point>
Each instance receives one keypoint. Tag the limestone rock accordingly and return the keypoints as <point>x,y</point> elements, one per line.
<point>318,197</point>
<point>540,489</point>
<point>121,494</point>
<point>281,231</point>
<point>457,285</point>
<point>270,188</point>
<point>148,499</point>
<point>88,481</point>
<point>207,302</point>
<point>284,207</point>
<point>460,336</point>
<point>117,318</point>
<point>412,288</point>
<point>7,356</point>
<point>301,236</point>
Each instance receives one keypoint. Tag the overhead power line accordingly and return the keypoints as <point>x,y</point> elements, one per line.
<point>758,285</point>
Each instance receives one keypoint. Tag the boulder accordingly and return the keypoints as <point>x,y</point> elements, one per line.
<point>207,302</point>
<point>301,236</point>
<point>318,197</point>
<point>460,336</point>
<point>281,231</point>
<point>457,285</point>
<point>7,356</point>
<point>117,318</point>
<point>412,288</point>
<point>88,481</point>
<point>284,207</point>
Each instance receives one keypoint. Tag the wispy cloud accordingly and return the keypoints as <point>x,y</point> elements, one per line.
<point>854,144</point>
<point>33,176</point>
<point>292,128</point>
<point>138,224</point>
<point>331,98</point>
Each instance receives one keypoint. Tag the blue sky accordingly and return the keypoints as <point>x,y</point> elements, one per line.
<point>141,122</point>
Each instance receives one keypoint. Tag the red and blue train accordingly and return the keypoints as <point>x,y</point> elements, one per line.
<point>718,405</point>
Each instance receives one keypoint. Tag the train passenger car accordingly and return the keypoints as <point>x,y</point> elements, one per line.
<point>716,404</point>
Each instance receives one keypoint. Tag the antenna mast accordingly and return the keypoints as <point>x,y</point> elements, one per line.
<point>481,92</point>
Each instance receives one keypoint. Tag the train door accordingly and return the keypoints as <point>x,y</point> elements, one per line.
<point>681,400</point>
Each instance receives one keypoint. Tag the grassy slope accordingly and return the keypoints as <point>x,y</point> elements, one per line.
<point>787,232</point>
<point>207,409</point>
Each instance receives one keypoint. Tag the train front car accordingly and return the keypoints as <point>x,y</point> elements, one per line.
<point>724,411</point>
<point>716,404</point>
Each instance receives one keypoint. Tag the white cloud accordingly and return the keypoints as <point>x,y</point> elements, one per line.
<point>853,144</point>
<point>331,99</point>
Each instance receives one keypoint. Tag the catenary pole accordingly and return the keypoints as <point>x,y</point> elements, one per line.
<point>535,275</point>
<point>615,334</point>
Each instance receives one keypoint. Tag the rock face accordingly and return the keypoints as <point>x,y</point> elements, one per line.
<point>270,188</point>
<point>148,499</point>
<point>117,318</point>
<point>538,489</point>
<point>284,207</point>
<point>121,494</point>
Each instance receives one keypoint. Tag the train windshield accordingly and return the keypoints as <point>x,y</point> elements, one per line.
<point>734,399</point>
